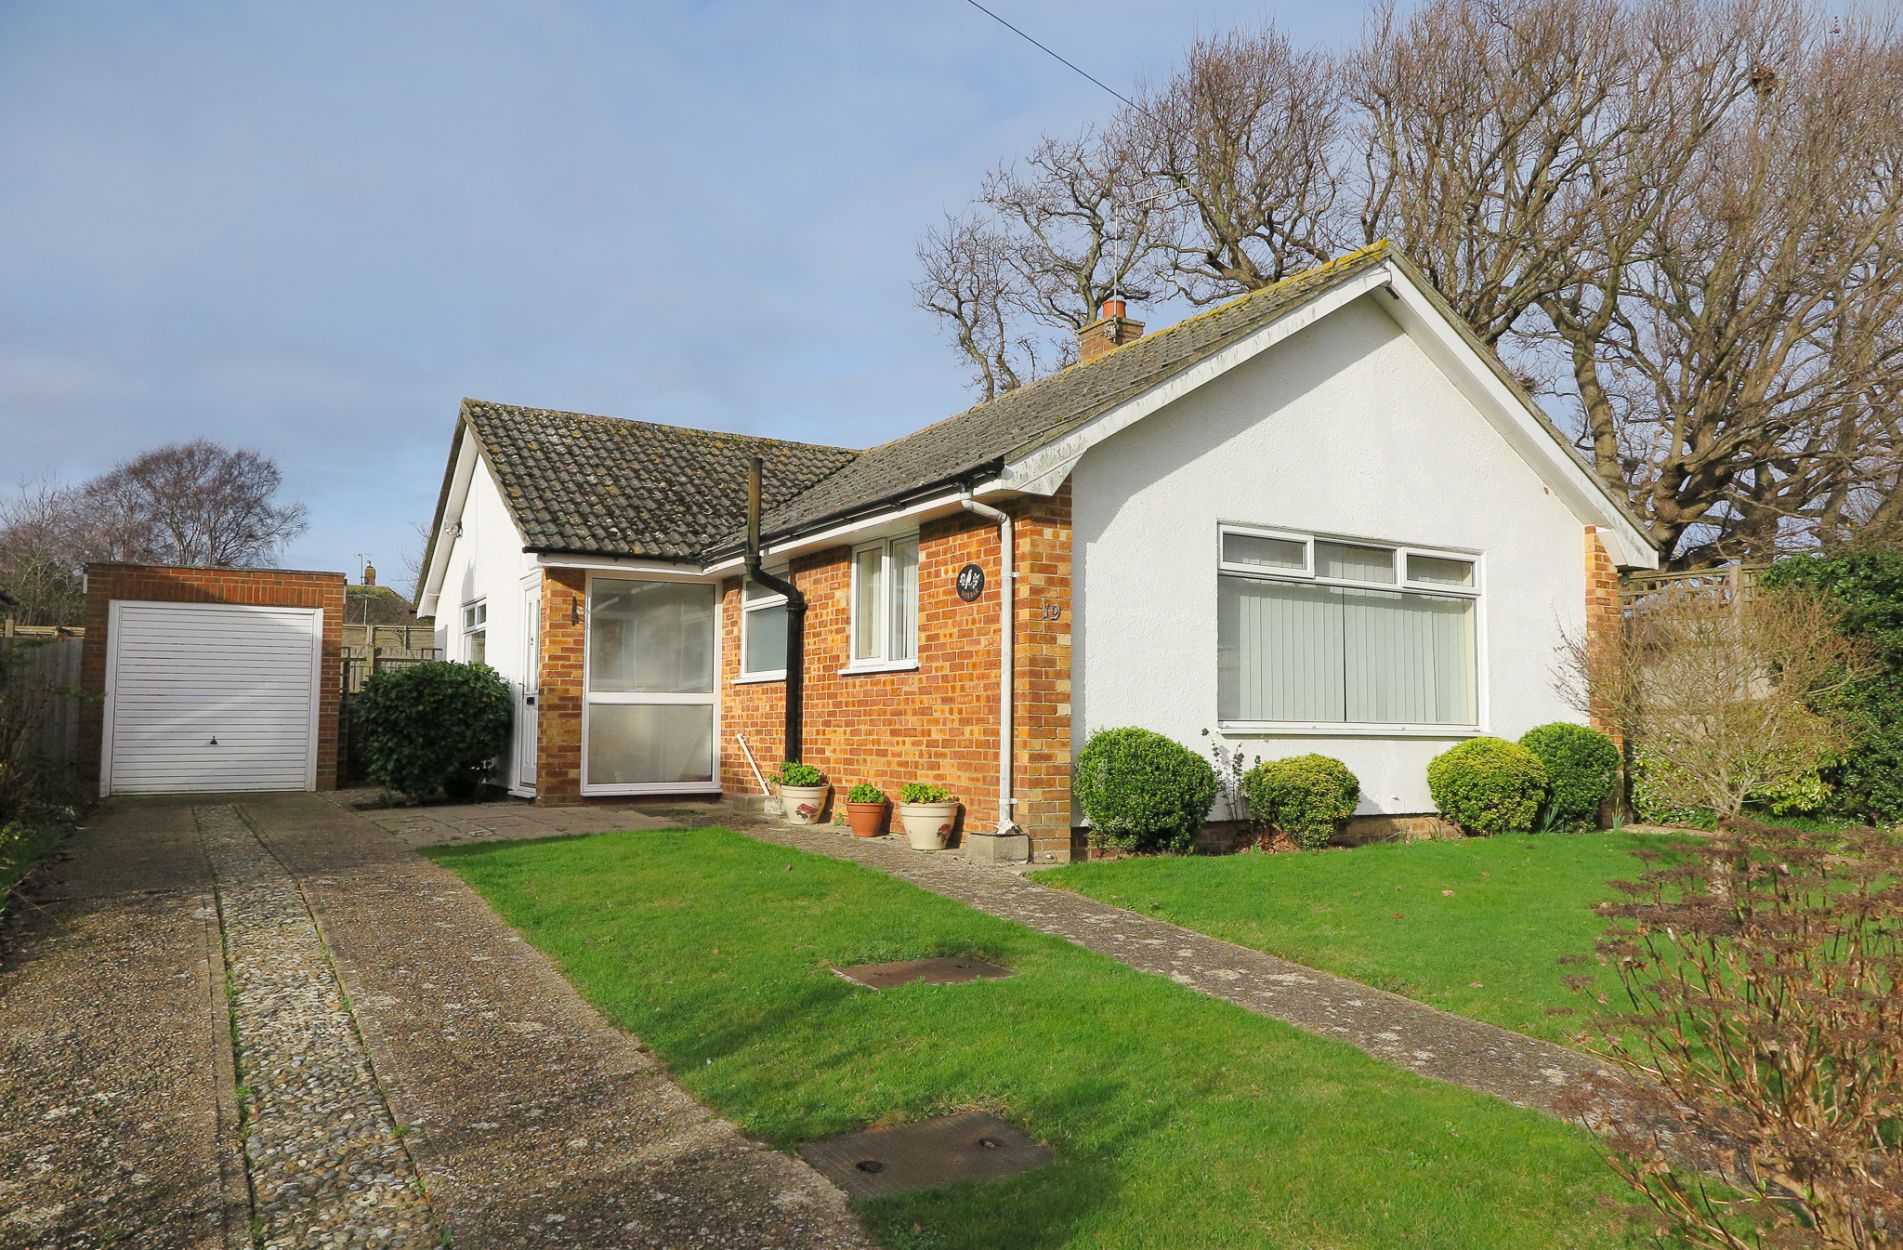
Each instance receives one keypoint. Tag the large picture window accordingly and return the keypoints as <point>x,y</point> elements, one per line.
<point>651,698</point>
<point>885,604</point>
<point>1324,632</point>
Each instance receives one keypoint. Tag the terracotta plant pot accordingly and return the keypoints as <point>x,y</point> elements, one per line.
<point>927,825</point>
<point>803,804</point>
<point>867,819</point>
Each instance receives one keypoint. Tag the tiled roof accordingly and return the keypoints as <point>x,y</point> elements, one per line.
<point>602,485</point>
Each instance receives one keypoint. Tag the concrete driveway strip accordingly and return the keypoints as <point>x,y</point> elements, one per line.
<point>117,1125</point>
<point>531,1119</point>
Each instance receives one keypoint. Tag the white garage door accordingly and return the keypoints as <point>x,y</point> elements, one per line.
<point>211,697</point>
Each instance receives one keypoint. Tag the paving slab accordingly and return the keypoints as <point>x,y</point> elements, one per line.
<point>117,1121</point>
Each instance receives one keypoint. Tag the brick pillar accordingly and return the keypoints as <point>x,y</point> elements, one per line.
<point>1041,769</point>
<point>558,704</point>
<point>1603,619</point>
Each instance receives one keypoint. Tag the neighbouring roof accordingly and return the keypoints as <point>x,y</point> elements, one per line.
<point>603,485</point>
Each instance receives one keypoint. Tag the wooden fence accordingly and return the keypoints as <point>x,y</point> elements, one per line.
<point>1729,582</point>
<point>40,700</point>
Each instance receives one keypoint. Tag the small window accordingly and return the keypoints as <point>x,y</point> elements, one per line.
<point>885,603</point>
<point>1351,562</point>
<point>476,632</point>
<point>762,630</point>
<point>1264,552</point>
<point>1439,570</point>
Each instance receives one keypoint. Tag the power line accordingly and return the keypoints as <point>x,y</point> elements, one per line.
<point>1060,58</point>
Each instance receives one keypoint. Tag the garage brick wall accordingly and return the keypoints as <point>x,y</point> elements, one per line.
<point>156,583</point>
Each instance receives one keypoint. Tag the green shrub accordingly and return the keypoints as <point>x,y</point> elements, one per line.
<point>793,773</point>
<point>1652,781</point>
<point>923,792</point>
<point>1488,785</point>
<point>1800,796</point>
<point>433,726</point>
<point>865,792</point>
<point>1582,774</point>
<point>1308,797</point>
<point>1142,792</point>
<point>1868,587</point>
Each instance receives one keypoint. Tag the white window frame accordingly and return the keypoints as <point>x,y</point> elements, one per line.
<point>1400,585</point>
<point>880,663</point>
<point>747,608</point>
<point>475,620</point>
<point>710,698</point>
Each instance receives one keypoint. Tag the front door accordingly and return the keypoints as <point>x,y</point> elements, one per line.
<point>527,735</point>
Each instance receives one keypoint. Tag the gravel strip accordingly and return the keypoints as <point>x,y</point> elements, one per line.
<point>326,1163</point>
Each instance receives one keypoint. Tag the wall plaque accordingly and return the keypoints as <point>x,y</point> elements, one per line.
<point>971,582</point>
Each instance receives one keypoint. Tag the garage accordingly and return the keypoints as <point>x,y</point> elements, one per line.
<point>213,679</point>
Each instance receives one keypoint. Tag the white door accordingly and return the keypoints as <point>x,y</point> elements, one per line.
<point>211,697</point>
<point>526,734</point>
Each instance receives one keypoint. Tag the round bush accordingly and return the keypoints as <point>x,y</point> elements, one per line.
<point>1488,785</point>
<point>1308,797</point>
<point>1582,773</point>
<point>432,726</point>
<point>1143,792</point>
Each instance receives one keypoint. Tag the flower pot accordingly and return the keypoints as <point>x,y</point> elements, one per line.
<point>927,825</point>
<point>803,804</point>
<point>867,819</point>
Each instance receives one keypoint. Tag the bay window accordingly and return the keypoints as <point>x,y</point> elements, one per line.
<point>885,604</point>
<point>1319,632</point>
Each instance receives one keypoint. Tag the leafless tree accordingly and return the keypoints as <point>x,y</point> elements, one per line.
<point>1682,219</point>
<point>40,553</point>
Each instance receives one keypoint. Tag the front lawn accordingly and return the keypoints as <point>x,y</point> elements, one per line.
<point>1475,926</point>
<point>1177,1120</point>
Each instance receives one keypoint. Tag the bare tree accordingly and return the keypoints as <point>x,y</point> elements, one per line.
<point>40,553</point>
<point>968,284</point>
<point>1682,219</point>
<point>190,503</point>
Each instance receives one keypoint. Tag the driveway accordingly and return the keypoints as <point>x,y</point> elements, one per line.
<point>405,1071</point>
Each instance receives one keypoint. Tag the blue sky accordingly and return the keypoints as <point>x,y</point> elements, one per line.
<point>310,229</point>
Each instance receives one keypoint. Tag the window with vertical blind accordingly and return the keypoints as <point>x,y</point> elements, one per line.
<point>885,604</point>
<point>1323,632</point>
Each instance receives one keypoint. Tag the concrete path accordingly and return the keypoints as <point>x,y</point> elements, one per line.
<point>411,1068</point>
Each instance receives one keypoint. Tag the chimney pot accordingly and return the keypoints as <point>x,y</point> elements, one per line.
<point>1112,308</point>
<point>369,574</point>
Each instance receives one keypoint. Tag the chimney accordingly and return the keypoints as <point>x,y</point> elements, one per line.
<point>369,574</point>
<point>1110,329</point>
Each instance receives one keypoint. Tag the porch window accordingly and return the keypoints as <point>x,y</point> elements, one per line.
<point>885,604</point>
<point>762,631</point>
<point>476,632</point>
<point>650,723</point>
<point>1332,633</point>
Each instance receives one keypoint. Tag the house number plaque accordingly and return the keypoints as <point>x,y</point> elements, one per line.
<point>971,582</point>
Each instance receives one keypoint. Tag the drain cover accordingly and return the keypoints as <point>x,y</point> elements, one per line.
<point>925,1155</point>
<point>943,971</point>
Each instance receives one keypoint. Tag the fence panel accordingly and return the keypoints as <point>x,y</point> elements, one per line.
<point>39,683</point>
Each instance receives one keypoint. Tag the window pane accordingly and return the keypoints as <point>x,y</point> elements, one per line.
<point>1410,658</point>
<point>1267,553</point>
<point>643,743</point>
<point>1441,569</point>
<point>869,568</point>
<point>1354,563</point>
<point>1278,652</point>
<point>904,599</point>
<point>476,647</point>
<point>766,640</point>
<point>650,637</point>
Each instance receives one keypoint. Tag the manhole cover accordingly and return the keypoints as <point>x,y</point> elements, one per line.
<point>955,970</point>
<point>925,1155</point>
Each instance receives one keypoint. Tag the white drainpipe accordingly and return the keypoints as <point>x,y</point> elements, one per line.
<point>1007,594</point>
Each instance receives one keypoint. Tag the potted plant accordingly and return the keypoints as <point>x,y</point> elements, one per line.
<point>802,792</point>
<point>927,811</point>
<point>865,810</point>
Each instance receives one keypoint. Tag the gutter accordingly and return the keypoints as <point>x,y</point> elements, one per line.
<point>795,617</point>
<point>1007,600</point>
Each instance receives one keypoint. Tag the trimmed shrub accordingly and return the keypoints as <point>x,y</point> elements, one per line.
<point>1488,785</point>
<point>1141,791</point>
<point>793,773</point>
<point>433,726</point>
<point>1582,773</point>
<point>923,792</point>
<point>1308,797</point>
<point>865,792</point>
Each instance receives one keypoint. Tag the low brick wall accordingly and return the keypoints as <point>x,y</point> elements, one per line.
<point>160,583</point>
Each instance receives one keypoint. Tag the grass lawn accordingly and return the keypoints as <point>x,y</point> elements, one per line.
<point>1178,1120</point>
<point>1475,927</point>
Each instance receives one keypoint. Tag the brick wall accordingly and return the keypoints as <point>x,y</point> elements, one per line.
<point>559,701</point>
<point>152,583</point>
<point>1602,605</point>
<point>940,721</point>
